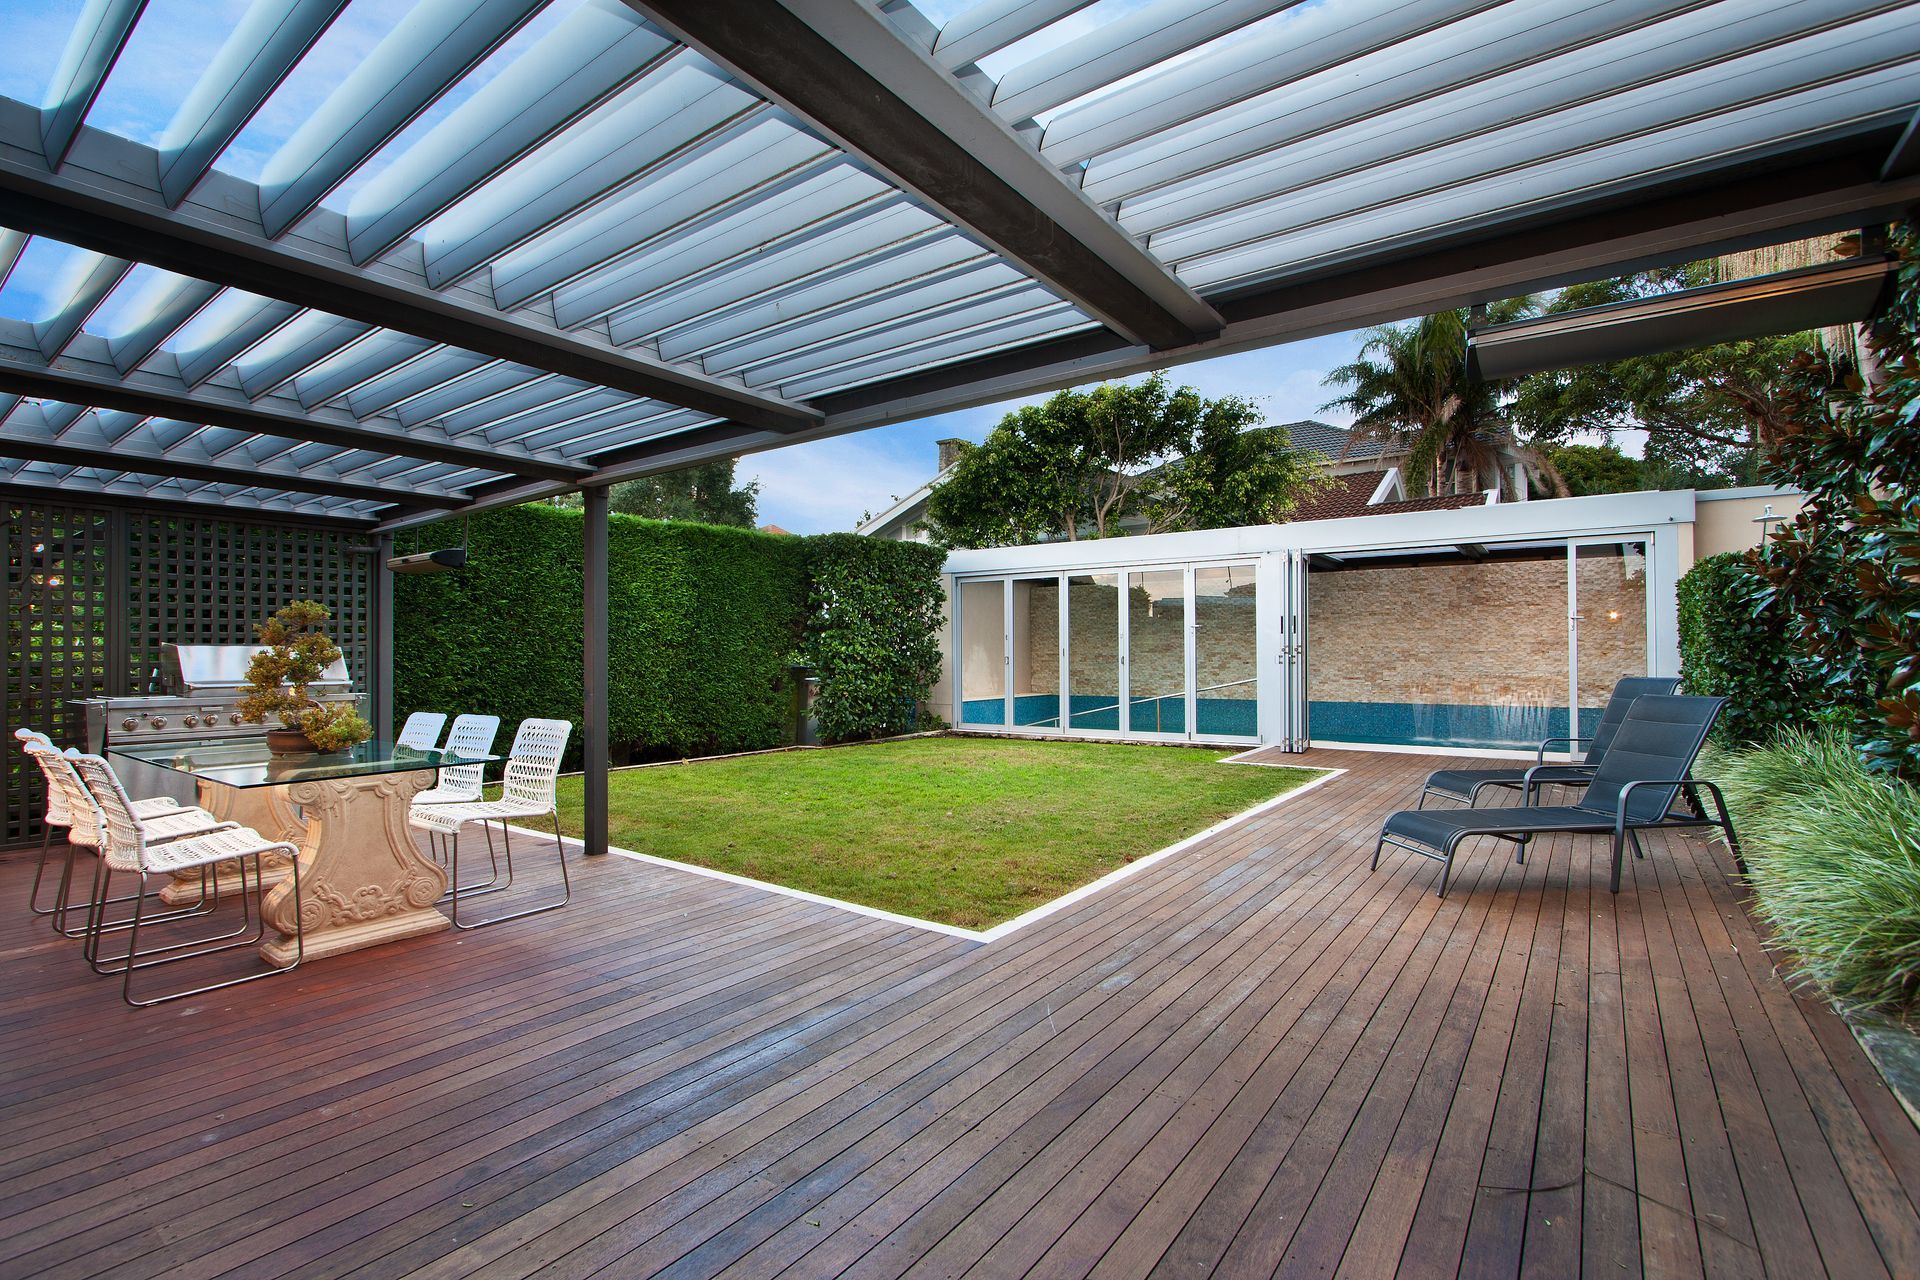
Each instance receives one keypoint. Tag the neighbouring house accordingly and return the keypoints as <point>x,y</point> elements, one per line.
<point>1367,481</point>
<point>774,528</point>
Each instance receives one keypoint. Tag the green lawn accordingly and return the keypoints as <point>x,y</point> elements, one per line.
<point>966,831</point>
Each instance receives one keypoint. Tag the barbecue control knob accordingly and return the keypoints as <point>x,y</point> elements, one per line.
<point>234,718</point>
<point>130,724</point>
<point>158,722</point>
<point>191,721</point>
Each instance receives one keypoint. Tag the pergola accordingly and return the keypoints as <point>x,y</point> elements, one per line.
<point>525,248</point>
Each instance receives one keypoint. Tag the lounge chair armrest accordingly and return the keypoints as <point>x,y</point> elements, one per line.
<point>1528,781</point>
<point>1626,793</point>
<point>1540,755</point>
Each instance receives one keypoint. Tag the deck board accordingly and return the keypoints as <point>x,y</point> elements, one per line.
<point>1256,1057</point>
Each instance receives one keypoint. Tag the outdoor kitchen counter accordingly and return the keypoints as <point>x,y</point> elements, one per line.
<point>363,878</point>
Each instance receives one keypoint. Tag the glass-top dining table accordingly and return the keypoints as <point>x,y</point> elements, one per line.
<point>364,880</point>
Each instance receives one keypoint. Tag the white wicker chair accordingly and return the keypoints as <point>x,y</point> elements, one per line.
<point>128,848</point>
<point>470,736</point>
<point>66,797</point>
<point>527,791</point>
<point>422,730</point>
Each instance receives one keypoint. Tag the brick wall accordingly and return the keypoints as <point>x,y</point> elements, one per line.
<point>1227,637</point>
<point>1492,633</point>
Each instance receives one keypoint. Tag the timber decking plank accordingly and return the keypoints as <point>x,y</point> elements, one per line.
<point>1255,1056</point>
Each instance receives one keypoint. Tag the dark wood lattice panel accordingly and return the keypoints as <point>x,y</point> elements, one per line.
<point>208,582</point>
<point>59,566</point>
<point>92,594</point>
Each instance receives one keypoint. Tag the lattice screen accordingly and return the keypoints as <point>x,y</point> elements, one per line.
<point>92,594</point>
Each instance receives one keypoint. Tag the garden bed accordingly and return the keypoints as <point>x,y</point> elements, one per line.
<point>965,832</point>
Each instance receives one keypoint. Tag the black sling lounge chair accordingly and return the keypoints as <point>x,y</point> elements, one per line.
<point>1648,765</point>
<point>1463,786</point>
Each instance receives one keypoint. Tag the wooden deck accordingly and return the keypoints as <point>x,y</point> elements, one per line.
<point>1254,1058</point>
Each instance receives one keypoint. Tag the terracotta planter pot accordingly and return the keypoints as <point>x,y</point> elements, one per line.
<point>288,742</point>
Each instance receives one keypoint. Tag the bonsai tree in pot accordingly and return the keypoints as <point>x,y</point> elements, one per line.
<point>296,652</point>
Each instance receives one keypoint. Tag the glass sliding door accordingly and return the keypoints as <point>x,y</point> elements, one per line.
<point>1035,653</point>
<point>1446,647</point>
<point>1156,667</point>
<point>982,652</point>
<point>1093,652</point>
<point>1226,653</point>
<point>1609,622</point>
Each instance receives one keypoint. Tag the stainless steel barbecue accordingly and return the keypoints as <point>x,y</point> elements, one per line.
<point>204,684</point>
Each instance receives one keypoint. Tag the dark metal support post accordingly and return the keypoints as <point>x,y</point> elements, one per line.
<point>382,692</point>
<point>594,652</point>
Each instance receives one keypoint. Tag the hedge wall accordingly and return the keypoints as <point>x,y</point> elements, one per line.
<point>1734,644</point>
<point>703,622</point>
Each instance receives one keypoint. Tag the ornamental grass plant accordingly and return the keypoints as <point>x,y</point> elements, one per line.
<point>1833,858</point>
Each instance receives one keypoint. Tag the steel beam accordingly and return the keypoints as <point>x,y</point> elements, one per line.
<point>121,494</point>
<point>844,68</point>
<point>593,609</point>
<point>155,395</point>
<point>67,452</point>
<point>110,212</point>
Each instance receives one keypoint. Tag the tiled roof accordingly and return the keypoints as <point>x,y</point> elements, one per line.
<point>1348,495</point>
<point>1332,441</point>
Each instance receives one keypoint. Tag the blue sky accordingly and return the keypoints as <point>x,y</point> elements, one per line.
<point>827,485</point>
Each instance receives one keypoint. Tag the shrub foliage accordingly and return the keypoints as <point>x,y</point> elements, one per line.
<point>1833,854</point>
<point>1734,644</point>
<point>703,622</point>
<point>873,617</point>
<point>1848,567</point>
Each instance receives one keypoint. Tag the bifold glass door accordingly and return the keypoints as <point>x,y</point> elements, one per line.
<point>1485,646</point>
<point>1164,653</point>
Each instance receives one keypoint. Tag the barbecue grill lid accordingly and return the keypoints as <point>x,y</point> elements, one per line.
<point>191,668</point>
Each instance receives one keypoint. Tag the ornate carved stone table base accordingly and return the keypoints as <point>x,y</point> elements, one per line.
<point>363,880</point>
<point>265,809</point>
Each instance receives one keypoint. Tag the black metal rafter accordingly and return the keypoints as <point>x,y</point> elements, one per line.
<point>150,395</point>
<point>150,462</point>
<point>842,67</point>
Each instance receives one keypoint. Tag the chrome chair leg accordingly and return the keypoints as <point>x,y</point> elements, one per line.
<point>209,893</point>
<point>259,888</point>
<point>566,882</point>
<point>33,897</point>
<point>493,883</point>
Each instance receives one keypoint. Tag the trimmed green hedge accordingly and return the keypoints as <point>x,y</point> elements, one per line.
<point>1733,644</point>
<point>703,622</point>
<point>873,613</point>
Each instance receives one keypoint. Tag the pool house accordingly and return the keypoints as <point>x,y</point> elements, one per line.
<point>1482,628</point>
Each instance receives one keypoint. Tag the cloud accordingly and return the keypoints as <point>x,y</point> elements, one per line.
<point>828,485</point>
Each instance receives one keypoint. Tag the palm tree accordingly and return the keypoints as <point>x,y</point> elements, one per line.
<point>1410,389</point>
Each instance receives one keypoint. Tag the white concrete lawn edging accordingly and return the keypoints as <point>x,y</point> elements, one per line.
<point>1005,927</point>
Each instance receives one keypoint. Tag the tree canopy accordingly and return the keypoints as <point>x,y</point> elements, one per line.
<point>1410,390</point>
<point>705,493</point>
<point>1709,413</point>
<point>1082,462</point>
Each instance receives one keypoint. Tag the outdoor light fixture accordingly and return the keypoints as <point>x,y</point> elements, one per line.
<point>446,561</point>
